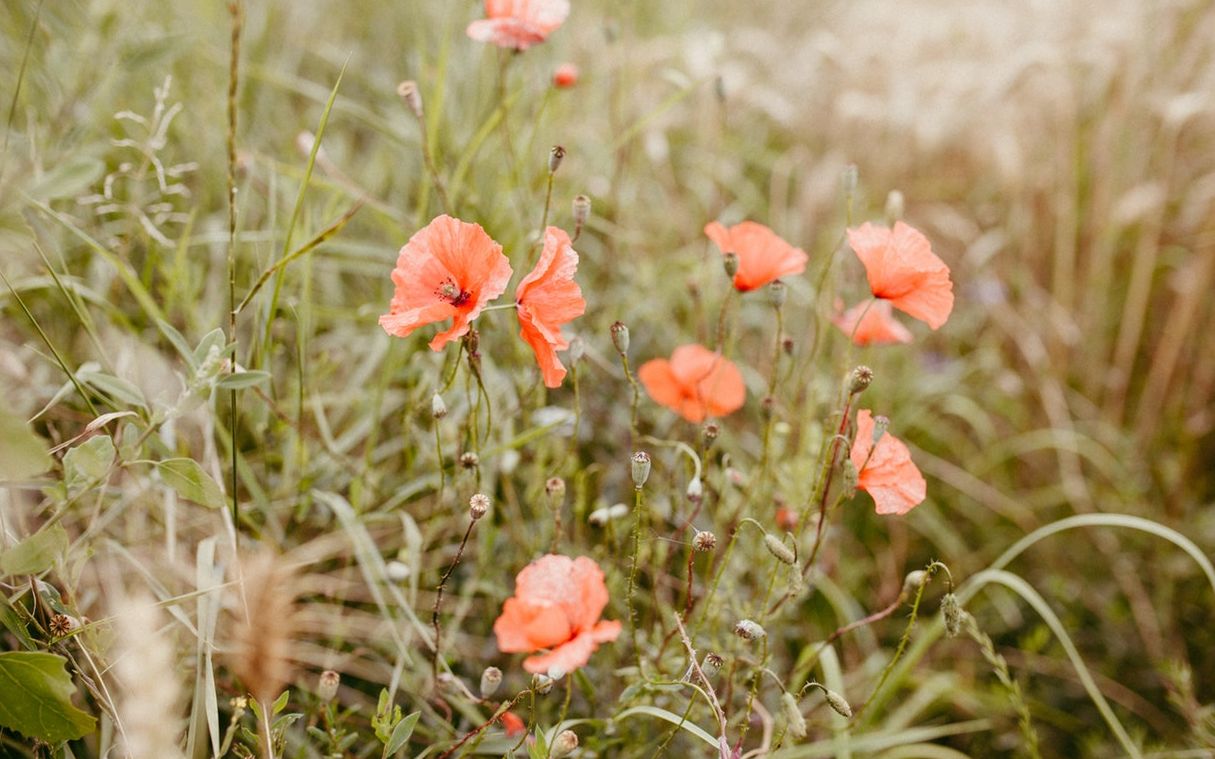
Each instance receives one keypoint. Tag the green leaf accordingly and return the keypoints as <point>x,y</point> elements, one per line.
<point>242,380</point>
<point>280,703</point>
<point>115,387</point>
<point>192,483</point>
<point>179,342</point>
<point>36,698</point>
<point>213,339</point>
<point>22,453</point>
<point>401,733</point>
<point>36,553</point>
<point>89,461</point>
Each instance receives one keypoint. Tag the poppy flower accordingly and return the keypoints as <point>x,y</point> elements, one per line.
<point>556,607</point>
<point>512,723</point>
<point>902,269</point>
<point>763,257</point>
<point>519,24</point>
<point>695,383</point>
<point>886,472</point>
<point>565,76</point>
<point>877,324</point>
<point>449,269</point>
<point>547,298</point>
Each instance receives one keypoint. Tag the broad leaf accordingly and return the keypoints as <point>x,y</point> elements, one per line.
<point>36,553</point>
<point>89,461</point>
<point>36,698</point>
<point>22,453</point>
<point>401,733</point>
<point>192,483</point>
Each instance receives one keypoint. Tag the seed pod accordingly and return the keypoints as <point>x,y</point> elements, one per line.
<point>491,678</point>
<point>327,685</point>
<point>641,469</point>
<point>438,409</point>
<point>730,262</point>
<point>710,431</point>
<point>565,742</point>
<point>620,338</point>
<point>778,549</point>
<point>555,157</point>
<point>555,487</point>
<point>408,90</point>
<point>749,630</point>
<point>582,210</point>
<point>861,378</point>
<point>478,506</point>
<point>777,293</point>
<point>704,541</point>
<point>469,460</point>
<point>711,664</point>
<point>880,425</point>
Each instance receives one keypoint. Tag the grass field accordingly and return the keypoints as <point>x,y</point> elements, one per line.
<point>237,518</point>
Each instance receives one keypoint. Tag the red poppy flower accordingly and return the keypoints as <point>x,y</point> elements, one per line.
<point>512,723</point>
<point>695,383</point>
<point>556,606</point>
<point>519,24</point>
<point>547,298</point>
<point>565,75</point>
<point>902,269</point>
<point>449,269</point>
<point>763,257</point>
<point>877,324</point>
<point>886,472</point>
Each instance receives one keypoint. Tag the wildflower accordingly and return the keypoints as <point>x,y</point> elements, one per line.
<point>903,270</point>
<point>763,257</point>
<point>512,723</point>
<point>519,24</point>
<point>695,383</point>
<point>547,298</point>
<point>556,606</point>
<point>885,470</point>
<point>872,323</point>
<point>565,76</point>
<point>449,269</point>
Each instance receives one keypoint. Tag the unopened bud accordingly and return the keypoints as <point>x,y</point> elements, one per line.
<point>555,157</point>
<point>730,262</point>
<point>565,742</point>
<point>880,424</point>
<point>408,90</point>
<point>641,469</point>
<point>478,506</point>
<point>860,378</point>
<point>704,541</point>
<point>894,206</point>
<point>620,337</point>
<point>327,685</point>
<point>777,293</point>
<point>582,210</point>
<point>438,409</point>
<point>778,549</point>
<point>914,580</point>
<point>696,490</point>
<point>469,460</point>
<point>491,678</point>
<point>838,703</point>
<point>542,684</point>
<point>555,487</point>
<point>793,715</point>
<point>577,349</point>
<point>711,431</point>
<point>749,630</point>
<point>953,614</point>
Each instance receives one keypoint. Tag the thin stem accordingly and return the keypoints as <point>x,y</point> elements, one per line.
<point>628,374</point>
<point>267,735</point>
<point>638,504</point>
<point>434,617</point>
<point>234,8</point>
<point>439,460</point>
<point>431,167</point>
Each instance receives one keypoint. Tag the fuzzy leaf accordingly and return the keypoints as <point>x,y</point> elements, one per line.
<point>192,483</point>
<point>36,553</point>
<point>89,461</point>
<point>36,698</point>
<point>401,733</point>
<point>22,453</point>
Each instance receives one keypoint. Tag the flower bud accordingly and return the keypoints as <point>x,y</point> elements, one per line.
<point>565,76</point>
<point>894,207</point>
<point>953,614</point>
<point>620,337</point>
<point>710,431</point>
<point>408,90</point>
<point>880,424</point>
<point>838,703</point>
<point>438,409</point>
<point>711,664</point>
<point>749,630</point>
<point>542,684</point>
<point>641,469</point>
<point>778,549</point>
<point>491,678</point>
<point>730,262</point>
<point>327,685</point>
<point>478,506</point>
<point>555,487</point>
<point>555,157</point>
<point>565,742</point>
<point>469,460</point>
<point>704,541</point>
<point>696,490</point>
<point>582,210</point>
<point>777,293</point>
<point>860,378</point>
<point>913,581</point>
<point>793,715</point>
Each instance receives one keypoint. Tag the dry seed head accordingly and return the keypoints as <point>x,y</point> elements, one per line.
<point>730,263</point>
<point>555,157</point>
<point>704,541</point>
<point>491,678</point>
<point>777,548</point>
<point>953,614</point>
<point>565,742</point>
<point>478,506</point>
<point>861,378</point>
<point>640,469</point>
<point>620,337</point>
<point>266,614</point>
<point>749,630</point>
<point>408,90</point>
<point>793,715</point>
<point>60,625</point>
<point>327,685</point>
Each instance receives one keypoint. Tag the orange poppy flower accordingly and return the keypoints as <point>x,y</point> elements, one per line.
<point>556,606</point>
<point>449,269</point>
<point>519,24</point>
<point>763,257</point>
<point>565,75</point>
<point>887,474</point>
<point>695,383</point>
<point>902,269</point>
<point>512,723</point>
<point>547,298</point>
<point>877,324</point>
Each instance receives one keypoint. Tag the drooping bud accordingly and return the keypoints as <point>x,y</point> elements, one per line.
<point>860,378</point>
<point>838,703</point>
<point>641,469</point>
<point>555,157</point>
<point>894,207</point>
<point>620,337</point>
<point>913,580</point>
<point>777,293</point>
<point>749,630</point>
<point>704,541</point>
<point>327,686</point>
<point>696,490</point>
<point>565,742</point>
<point>953,615</point>
<point>408,90</point>
<point>491,678</point>
<point>793,715</point>
<point>730,262</point>
<point>438,409</point>
<point>478,506</point>
<point>778,549</point>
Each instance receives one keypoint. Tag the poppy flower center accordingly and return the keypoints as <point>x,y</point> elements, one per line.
<point>453,294</point>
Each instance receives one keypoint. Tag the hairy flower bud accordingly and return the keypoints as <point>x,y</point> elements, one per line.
<point>620,337</point>
<point>914,580</point>
<point>953,615</point>
<point>491,678</point>
<point>838,703</point>
<point>778,549</point>
<point>793,715</point>
<point>327,685</point>
<point>749,630</point>
<point>641,469</point>
<point>542,684</point>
